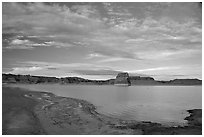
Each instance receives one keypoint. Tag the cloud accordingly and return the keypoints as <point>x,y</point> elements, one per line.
<point>168,54</point>
<point>186,42</point>
<point>142,34</point>
<point>42,20</point>
<point>95,55</point>
<point>52,64</point>
<point>85,10</point>
<point>23,44</point>
<point>65,67</point>
<point>115,52</point>
<point>104,54</point>
<point>112,59</point>
<point>98,72</point>
<point>58,44</point>
<point>83,25</point>
<point>136,40</point>
<point>62,70</point>
<point>17,41</point>
<point>52,68</point>
<point>115,11</point>
<point>19,70</point>
<point>155,69</point>
<point>26,42</point>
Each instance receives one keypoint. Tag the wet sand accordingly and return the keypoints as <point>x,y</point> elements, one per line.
<point>18,116</point>
<point>27,112</point>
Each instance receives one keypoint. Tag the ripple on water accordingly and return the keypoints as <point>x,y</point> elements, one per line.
<point>141,112</point>
<point>162,104</point>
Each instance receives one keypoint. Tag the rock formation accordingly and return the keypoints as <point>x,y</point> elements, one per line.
<point>122,79</point>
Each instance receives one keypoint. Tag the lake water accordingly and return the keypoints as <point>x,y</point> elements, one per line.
<point>163,104</point>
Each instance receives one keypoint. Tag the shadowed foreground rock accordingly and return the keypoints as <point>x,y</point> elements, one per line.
<point>122,79</point>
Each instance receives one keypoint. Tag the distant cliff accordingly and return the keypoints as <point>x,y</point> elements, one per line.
<point>121,78</point>
<point>137,80</point>
<point>10,78</point>
<point>186,82</point>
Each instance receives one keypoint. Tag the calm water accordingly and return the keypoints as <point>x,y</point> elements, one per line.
<point>163,104</point>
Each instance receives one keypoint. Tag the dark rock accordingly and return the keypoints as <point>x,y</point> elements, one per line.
<point>137,80</point>
<point>186,82</point>
<point>122,79</point>
<point>132,78</point>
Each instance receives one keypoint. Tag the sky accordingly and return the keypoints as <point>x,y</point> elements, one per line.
<point>99,40</point>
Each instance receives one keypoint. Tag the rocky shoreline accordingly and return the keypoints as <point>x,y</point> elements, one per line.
<point>69,116</point>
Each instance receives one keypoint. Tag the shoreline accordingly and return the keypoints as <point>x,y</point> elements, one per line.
<point>132,80</point>
<point>85,84</point>
<point>64,115</point>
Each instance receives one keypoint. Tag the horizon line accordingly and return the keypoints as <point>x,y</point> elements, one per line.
<point>97,79</point>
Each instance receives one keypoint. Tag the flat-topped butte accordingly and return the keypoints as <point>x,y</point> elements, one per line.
<point>122,79</point>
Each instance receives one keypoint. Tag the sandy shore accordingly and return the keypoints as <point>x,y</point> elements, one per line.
<point>45,113</point>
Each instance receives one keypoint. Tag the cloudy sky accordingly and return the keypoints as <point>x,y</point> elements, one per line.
<point>98,40</point>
